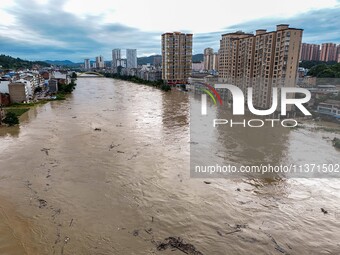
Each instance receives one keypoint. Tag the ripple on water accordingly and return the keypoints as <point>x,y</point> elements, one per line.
<point>132,174</point>
<point>14,232</point>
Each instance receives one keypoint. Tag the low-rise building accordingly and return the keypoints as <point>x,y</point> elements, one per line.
<point>323,90</point>
<point>4,86</point>
<point>307,82</point>
<point>28,81</point>
<point>45,75</point>
<point>149,73</point>
<point>197,66</point>
<point>330,107</point>
<point>62,78</point>
<point>18,92</point>
<point>211,79</point>
<point>53,86</point>
<point>154,75</point>
<point>133,71</point>
<point>4,99</point>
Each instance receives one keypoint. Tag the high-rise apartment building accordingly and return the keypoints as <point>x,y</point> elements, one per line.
<point>116,58</point>
<point>100,62</point>
<point>131,58</point>
<point>229,56</point>
<point>87,64</point>
<point>176,57</point>
<point>328,52</point>
<point>261,61</point>
<point>208,59</point>
<point>310,52</point>
<point>338,52</point>
<point>215,61</point>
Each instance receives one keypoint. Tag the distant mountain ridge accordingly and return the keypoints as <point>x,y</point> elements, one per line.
<point>197,57</point>
<point>62,62</point>
<point>140,60</point>
<point>147,60</point>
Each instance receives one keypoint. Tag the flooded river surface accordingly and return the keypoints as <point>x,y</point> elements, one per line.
<point>107,172</point>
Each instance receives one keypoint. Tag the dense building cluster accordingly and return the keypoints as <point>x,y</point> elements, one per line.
<point>314,52</point>
<point>24,86</point>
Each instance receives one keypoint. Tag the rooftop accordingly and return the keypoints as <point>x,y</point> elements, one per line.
<point>333,102</point>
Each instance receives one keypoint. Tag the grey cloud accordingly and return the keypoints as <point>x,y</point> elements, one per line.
<point>87,37</point>
<point>319,26</point>
<point>83,37</point>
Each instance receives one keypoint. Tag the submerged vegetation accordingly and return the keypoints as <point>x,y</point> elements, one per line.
<point>336,143</point>
<point>66,89</point>
<point>18,111</point>
<point>11,119</point>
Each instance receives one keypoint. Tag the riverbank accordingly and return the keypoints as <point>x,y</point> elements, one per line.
<point>157,84</point>
<point>319,125</point>
<point>15,110</point>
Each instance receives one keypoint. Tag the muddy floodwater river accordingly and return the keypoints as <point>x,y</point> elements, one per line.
<point>107,172</point>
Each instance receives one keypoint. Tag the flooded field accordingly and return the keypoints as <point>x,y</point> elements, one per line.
<point>107,172</point>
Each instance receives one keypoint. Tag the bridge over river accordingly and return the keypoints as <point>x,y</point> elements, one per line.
<point>90,75</point>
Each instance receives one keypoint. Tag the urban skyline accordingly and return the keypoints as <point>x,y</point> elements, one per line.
<point>325,52</point>
<point>308,52</point>
<point>40,34</point>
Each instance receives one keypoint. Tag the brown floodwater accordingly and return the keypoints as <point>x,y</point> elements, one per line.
<point>107,172</point>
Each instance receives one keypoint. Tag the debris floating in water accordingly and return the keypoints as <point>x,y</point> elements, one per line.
<point>179,244</point>
<point>324,211</point>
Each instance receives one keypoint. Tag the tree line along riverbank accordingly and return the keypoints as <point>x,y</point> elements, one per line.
<point>157,84</point>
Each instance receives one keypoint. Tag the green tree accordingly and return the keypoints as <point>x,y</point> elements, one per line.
<point>74,75</point>
<point>66,89</point>
<point>310,64</point>
<point>326,73</point>
<point>325,70</point>
<point>119,70</point>
<point>336,67</point>
<point>315,70</point>
<point>336,143</point>
<point>11,119</point>
<point>165,87</point>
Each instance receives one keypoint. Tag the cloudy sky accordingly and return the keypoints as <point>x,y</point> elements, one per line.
<point>78,29</point>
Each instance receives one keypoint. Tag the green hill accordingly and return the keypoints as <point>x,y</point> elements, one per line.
<point>147,60</point>
<point>63,63</point>
<point>8,62</point>
<point>197,58</point>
